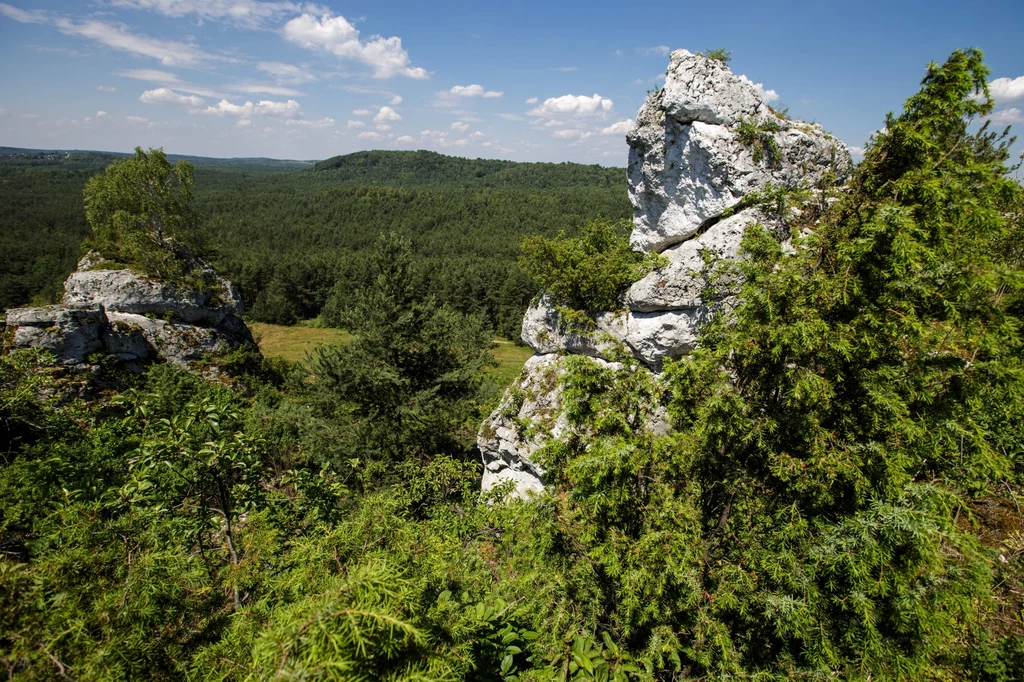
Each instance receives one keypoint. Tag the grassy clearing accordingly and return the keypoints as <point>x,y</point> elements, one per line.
<point>293,343</point>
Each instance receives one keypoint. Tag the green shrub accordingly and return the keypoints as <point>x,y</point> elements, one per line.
<point>588,272</point>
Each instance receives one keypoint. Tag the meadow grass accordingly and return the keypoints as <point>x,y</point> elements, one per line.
<point>294,342</point>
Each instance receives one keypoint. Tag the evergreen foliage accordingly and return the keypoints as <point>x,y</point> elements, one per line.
<point>837,499</point>
<point>586,272</point>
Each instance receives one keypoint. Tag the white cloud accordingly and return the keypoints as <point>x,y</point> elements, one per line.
<point>618,128</point>
<point>289,109</point>
<point>383,127</point>
<point>406,139</point>
<point>574,105</point>
<point>766,95</point>
<point>24,16</point>
<point>286,73</point>
<point>170,97</point>
<point>1007,89</point>
<point>476,135</point>
<point>532,100</point>
<point>337,36</point>
<point>264,89</point>
<point>856,152</point>
<point>396,100</point>
<point>660,50</point>
<point>617,53</point>
<point>511,117</point>
<point>117,36</point>
<point>100,114</point>
<point>356,124</point>
<point>473,90</point>
<point>460,127</point>
<point>106,88</point>
<point>360,112</point>
<point>243,123</point>
<point>303,123</point>
<point>387,114</point>
<point>370,136</point>
<point>249,13</point>
<point>1007,116</point>
<point>136,119</point>
<point>566,134</point>
<point>459,143</point>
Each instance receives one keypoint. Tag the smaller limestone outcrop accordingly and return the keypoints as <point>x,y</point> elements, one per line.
<point>133,318</point>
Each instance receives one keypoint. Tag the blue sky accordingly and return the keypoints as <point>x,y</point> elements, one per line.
<point>529,81</point>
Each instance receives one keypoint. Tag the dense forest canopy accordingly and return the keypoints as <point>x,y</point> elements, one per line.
<point>293,239</point>
<point>838,496</point>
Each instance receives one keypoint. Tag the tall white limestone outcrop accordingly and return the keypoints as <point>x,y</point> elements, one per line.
<point>700,149</point>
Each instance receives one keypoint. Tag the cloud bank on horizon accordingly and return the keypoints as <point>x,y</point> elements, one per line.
<point>300,80</point>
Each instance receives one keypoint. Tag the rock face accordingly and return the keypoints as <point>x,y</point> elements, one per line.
<point>133,318</point>
<point>700,148</point>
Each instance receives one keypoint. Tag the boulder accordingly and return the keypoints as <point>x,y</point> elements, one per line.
<point>133,318</point>
<point>126,291</point>
<point>71,333</point>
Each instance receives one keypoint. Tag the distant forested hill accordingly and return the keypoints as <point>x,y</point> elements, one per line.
<point>291,233</point>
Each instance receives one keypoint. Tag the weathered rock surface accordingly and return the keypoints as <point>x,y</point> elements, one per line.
<point>699,148</point>
<point>72,334</point>
<point>133,318</point>
<point>127,291</point>
<point>688,162</point>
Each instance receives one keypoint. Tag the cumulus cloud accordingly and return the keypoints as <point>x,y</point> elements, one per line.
<point>406,139</point>
<point>106,88</point>
<point>856,152</point>
<point>618,128</point>
<point>289,109</point>
<point>1007,116</point>
<point>766,95</point>
<point>460,127</point>
<point>383,126</point>
<point>387,114</point>
<point>336,35</point>
<point>476,135</point>
<point>532,100</point>
<point>356,124</point>
<point>360,112</point>
<point>370,136</point>
<point>396,100</point>
<point>574,105</point>
<point>566,134</point>
<point>473,90</point>
<point>100,114</point>
<point>303,123</point>
<point>170,97</point>
<point>1007,89</point>
<point>243,123</point>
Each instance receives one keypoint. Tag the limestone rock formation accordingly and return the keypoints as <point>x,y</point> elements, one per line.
<point>700,151</point>
<point>133,318</point>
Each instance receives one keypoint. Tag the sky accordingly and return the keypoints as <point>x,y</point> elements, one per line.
<point>526,81</point>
